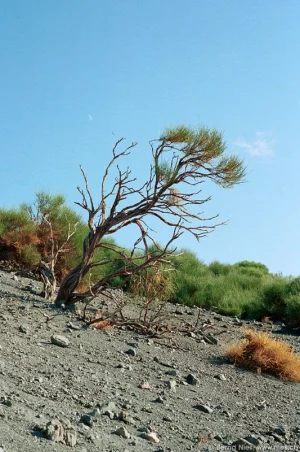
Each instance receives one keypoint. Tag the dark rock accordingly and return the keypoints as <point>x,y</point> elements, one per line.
<point>192,380</point>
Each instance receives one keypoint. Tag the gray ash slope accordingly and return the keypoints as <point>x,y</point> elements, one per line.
<point>178,389</point>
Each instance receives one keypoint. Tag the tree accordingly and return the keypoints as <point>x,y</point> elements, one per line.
<point>183,159</point>
<point>55,224</point>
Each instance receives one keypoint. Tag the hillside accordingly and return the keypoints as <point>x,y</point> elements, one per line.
<point>117,391</point>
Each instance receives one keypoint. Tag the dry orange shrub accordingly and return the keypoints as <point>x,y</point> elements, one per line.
<point>102,324</point>
<point>262,353</point>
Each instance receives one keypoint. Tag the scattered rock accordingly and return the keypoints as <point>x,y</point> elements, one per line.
<point>122,432</point>
<point>191,334</point>
<point>192,380</point>
<point>220,377</point>
<point>243,445</point>
<point>61,431</point>
<point>253,439</point>
<point>151,436</point>
<point>59,340</point>
<point>131,352</point>
<point>87,419</point>
<point>204,408</point>
<point>172,385</point>
<point>109,409</point>
<point>145,385</point>
<point>23,329</point>
<point>172,373</point>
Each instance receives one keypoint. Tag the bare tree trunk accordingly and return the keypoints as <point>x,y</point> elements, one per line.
<point>73,279</point>
<point>49,280</point>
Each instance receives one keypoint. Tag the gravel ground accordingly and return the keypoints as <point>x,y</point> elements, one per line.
<point>118,391</point>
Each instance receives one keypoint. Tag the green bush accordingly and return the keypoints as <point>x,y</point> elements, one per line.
<point>219,269</point>
<point>30,255</point>
<point>292,311</point>
<point>275,298</point>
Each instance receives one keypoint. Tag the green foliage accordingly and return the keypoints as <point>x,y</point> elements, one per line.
<point>14,220</point>
<point>16,232</point>
<point>292,311</point>
<point>179,134</point>
<point>205,149</point>
<point>29,255</point>
<point>249,265</point>
<point>26,233</point>
<point>246,289</point>
<point>293,287</point>
<point>219,269</point>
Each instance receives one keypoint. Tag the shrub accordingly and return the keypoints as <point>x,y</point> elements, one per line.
<point>16,232</point>
<point>29,255</point>
<point>293,287</point>
<point>293,309</point>
<point>188,278</point>
<point>219,269</point>
<point>251,266</point>
<point>260,352</point>
<point>275,298</point>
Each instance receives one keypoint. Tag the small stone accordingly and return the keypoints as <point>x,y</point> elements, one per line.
<point>261,405</point>
<point>278,438</point>
<point>204,408</point>
<point>122,432</point>
<point>87,419</point>
<point>70,438</point>
<point>172,372</point>
<point>220,377</point>
<point>145,385</point>
<point>253,439</point>
<point>61,341</point>
<point>61,432</point>
<point>243,445</point>
<point>159,400</point>
<point>72,326</point>
<point>172,385</point>
<point>167,419</point>
<point>23,329</point>
<point>281,430</point>
<point>95,413</point>
<point>131,352</point>
<point>124,416</point>
<point>191,334</point>
<point>192,380</point>
<point>151,436</point>
<point>109,409</point>
<point>120,366</point>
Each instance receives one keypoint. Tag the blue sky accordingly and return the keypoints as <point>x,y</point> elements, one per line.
<point>74,73</point>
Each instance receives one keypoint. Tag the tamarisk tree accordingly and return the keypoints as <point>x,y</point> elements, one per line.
<point>182,160</point>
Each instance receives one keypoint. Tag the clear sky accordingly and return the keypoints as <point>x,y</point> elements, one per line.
<point>74,72</point>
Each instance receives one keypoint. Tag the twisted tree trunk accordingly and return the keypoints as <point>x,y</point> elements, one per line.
<point>70,283</point>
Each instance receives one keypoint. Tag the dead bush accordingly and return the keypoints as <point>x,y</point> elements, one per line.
<point>262,353</point>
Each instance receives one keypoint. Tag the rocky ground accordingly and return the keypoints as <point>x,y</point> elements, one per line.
<point>116,390</point>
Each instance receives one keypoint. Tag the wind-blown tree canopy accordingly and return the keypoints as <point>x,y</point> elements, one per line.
<point>182,160</point>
